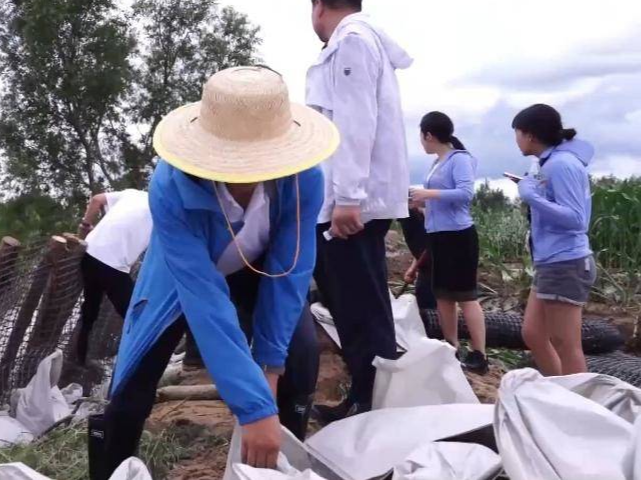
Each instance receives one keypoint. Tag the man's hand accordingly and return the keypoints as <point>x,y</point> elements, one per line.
<point>261,443</point>
<point>411,274</point>
<point>346,221</point>
<point>84,228</point>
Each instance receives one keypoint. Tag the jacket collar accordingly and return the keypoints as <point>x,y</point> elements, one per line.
<point>196,193</point>
<point>545,156</point>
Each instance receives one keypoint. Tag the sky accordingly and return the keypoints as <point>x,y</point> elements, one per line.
<point>481,61</point>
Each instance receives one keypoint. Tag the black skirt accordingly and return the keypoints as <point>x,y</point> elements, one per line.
<point>454,264</point>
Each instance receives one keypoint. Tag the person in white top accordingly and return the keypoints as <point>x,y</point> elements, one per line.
<point>354,84</point>
<point>113,247</point>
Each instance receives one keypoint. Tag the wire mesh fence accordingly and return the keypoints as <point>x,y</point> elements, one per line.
<point>40,299</point>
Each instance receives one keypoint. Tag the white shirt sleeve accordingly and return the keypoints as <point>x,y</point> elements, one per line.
<point>356,71</point>
<point>112,198</point>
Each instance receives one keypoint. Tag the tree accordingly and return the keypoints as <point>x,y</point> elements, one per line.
<point>66,71</point>
<point>491,199</point>
<point>27,217</point>
<point>182,43</point>
<point>86,83</point>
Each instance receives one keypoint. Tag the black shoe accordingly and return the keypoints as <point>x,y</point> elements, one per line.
<point>476,362</point>
<point>325,414</point>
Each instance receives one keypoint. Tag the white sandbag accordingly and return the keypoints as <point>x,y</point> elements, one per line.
<point>407,320</point>
<point>372,444</point>
<point>545,431</point>
<point>72,393</point>
<point>428,374</point>
<point>41,404</point>
<point>12,432</point>
<point>632,460</point>
<point>616,395</point>
<point>131,469</point>
<point>284,471</point>
<point>449,461</point>
<point>19,471</point>
<point>244,472</point>
<point>293,454</point>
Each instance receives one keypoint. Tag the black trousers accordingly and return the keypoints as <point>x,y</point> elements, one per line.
<point>416,239</point>
<point>352,278</point>
<point>99,280</point>
<point>127,411</point>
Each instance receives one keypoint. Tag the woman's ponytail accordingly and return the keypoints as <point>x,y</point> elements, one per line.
<point>456,143</point>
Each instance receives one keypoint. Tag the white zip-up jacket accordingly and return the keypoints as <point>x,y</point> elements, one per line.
<point>354,84</point>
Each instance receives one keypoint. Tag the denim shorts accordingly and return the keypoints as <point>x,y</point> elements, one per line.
<point>567,282</point>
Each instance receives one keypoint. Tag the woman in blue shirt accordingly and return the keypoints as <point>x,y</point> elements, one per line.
<point>453,244</point>
<point>236,189</point>
<point>560,201</point>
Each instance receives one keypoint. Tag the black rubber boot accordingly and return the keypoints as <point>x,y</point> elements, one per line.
<point>294,414</point>
<point>476,362</point>
<point>96,448</point>
<point>325,414</point>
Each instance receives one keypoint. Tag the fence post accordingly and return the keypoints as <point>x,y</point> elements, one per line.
<point>63,289</point>
<point>55,248</point>
<point>9,252</point>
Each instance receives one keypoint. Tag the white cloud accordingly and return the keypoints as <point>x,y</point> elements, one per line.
<point>482,61</point>
<point>622,166</point>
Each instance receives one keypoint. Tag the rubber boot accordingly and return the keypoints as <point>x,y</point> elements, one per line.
<point>294,414</point>
<point>96,448</point>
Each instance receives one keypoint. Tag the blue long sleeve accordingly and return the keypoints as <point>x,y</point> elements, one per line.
<point>463,174</point>
<point>204,298</point>
<point>568,210</point>
<point>281,300</point>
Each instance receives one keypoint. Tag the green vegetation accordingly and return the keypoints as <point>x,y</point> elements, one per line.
<point>65,450</point>
<point>615,236</point>
<point>29,217</point>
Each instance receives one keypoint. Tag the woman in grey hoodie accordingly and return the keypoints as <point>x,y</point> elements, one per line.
<point>557,191</point>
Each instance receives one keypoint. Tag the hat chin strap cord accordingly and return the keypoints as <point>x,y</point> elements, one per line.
<point>240,252</point>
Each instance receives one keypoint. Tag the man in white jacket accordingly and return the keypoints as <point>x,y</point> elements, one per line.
<point>366,186</point>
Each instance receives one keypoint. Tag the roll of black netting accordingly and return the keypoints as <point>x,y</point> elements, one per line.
<point>504,331</point>
<point>617,364</point>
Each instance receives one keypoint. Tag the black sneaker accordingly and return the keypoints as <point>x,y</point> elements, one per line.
<point>476,362</point>
<point>326,414</point>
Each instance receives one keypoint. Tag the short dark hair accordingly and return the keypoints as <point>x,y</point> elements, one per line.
<point>442,128</point>
<point>544,123</point>
<point>338,4</point>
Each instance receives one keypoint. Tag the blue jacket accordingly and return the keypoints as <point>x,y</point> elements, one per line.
<point>455,179</point>
<point>179,276</point>
<point>561,203</point>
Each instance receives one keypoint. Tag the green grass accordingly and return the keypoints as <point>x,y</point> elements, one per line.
<point>62,454</point>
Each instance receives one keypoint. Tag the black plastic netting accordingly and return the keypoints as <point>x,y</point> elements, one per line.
<point>40,298</point>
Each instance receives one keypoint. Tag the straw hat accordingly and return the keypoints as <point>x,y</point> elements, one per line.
<point>245,130</point>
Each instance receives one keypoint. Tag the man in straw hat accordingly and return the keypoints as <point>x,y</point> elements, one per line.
<point>354,83</point>
<point>236,192</point>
